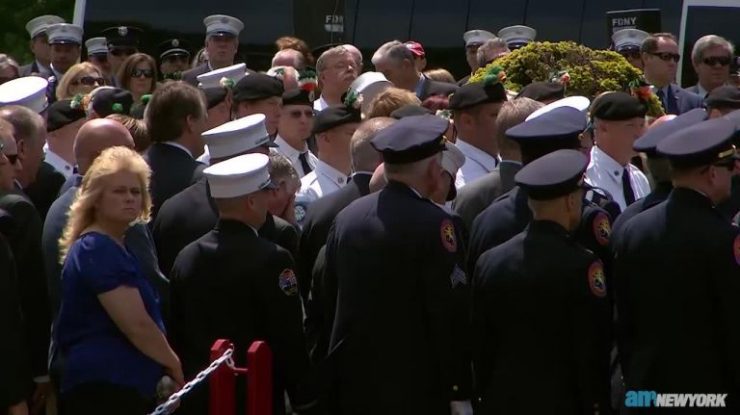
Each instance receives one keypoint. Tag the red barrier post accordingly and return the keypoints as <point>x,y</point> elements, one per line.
<point>259,379</point>
<point>222,383</point>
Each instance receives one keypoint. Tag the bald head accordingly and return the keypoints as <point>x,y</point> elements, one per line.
<point>96,136</point>
<point>364,157</point>
<point>289,57</point>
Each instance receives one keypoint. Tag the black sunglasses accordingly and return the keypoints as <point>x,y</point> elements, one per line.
<point>122,51</point>
<point>717,60</point>
<point>89,81</point>
<point>667,56</point>
<point>146,73</point>
<point>298,113</point>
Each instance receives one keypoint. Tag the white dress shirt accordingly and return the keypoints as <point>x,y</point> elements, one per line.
<point>59,164</point>
<point>604,172</point>
<point>477,164</point>
<point>324,180</point>
<point>320,104</point>
<point>293,155</point>
<point>205,158</point>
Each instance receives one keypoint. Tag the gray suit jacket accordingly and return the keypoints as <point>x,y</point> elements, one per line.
<point>474,197</point>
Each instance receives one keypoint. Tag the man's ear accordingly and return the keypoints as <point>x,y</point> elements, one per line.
<point>21,144</point>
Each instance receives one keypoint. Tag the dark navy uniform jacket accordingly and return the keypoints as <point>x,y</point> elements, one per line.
<point>657,196</point>
<point>542,325</point>
<point>395,345</point>
<point>677,281</point>
<point>173,170</point>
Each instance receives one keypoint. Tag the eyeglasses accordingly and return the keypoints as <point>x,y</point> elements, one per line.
<point>123,51</point>
<point>717,60</point>
<point>146,73</point>
<point>667,56</point>
<point>298,113</point>
<point>89,81</point>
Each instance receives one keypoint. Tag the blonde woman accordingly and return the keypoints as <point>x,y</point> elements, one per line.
<point>109,328</point>
<point>390,100</point>
<point>81,78</point>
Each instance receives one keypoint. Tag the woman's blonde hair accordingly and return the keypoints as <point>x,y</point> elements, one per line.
<point>72,73</point>
<point>390,100</point>
<point>81,214</point>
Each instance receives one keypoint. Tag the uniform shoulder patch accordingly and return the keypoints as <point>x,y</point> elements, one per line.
<point>736,249</point>
<point>300,212</point>
<point>449,239</point>
<point>597,279</point>
<point>288,282</point>
<point>602,228</point>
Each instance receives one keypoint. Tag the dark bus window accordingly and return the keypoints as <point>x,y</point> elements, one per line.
<point>704,20</point>
<point>434,24</point>
<point>555,20</point>
<point>378,21</point>
<point>670,14</point>
<point>494,15</point>
<point>593,26</point>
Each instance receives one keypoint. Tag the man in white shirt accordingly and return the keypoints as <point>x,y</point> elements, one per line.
<point>475,108</point>
<point>294,128</point>
<point>619,119</point>
<point>333,128</point>
<point>337,68</point>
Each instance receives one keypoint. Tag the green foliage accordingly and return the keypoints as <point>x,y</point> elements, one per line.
<point>14,14</point>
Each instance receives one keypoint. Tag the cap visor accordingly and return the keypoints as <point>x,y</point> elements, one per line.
<point>270,185</point>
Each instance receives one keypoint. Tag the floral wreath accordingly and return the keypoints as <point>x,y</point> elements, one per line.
<point>641,90</point>
<point>353,99</point>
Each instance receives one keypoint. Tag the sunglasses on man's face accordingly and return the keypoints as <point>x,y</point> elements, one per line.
<point>121,52</point>
<point>89,81</point>
<point>667,56</point>
<point>717,60</point>
<point>146,73</point>
<point>298,113</point>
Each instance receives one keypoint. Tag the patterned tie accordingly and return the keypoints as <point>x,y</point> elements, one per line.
<point>629,194</point>
<point>304,163</point>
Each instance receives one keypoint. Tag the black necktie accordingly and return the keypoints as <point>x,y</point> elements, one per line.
<point>665,99</point>
<point>629,194</point>
<point>304,163</point>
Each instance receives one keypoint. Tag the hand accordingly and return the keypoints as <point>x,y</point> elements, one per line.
<point>175,372</point>
<point>461,408</point>
<point>40,395</point>
<point>289,211</point>
<point>18,409</point>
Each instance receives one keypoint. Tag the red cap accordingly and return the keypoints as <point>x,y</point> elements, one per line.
<point>416,48</point>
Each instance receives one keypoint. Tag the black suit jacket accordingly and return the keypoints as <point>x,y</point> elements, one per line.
<point>319,217</point>
<point>25,243</point>
<point>45,189</point>
<point>233,284</point>
<point>432,87</point>
<point>192,213</point>
<point>474,197</point>
<point>172,171</point>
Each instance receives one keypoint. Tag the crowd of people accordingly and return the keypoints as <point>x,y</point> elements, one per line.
<point>403,241</point>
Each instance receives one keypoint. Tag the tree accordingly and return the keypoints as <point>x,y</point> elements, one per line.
<point>14,14</point>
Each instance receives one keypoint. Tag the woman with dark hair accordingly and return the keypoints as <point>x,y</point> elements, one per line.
<point>138,74</point>
<point>9,69</point>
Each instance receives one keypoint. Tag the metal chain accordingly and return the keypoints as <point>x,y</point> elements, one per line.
<point>174,399</point>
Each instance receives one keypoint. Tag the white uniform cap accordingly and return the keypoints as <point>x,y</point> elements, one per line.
<point>452,159</point>
<point>29,92</point>
<point>578,102</point>
<point>213,78</point>
<point>239,176</point>
<point>97,46</point>
<point>628,38</point>
<point>370,85</point>
<point>477,37</point>
<point>219,24</point>
<point>236,137</point>
<point>64,33</point>
<point>517,35</point>
<point>38,25</point>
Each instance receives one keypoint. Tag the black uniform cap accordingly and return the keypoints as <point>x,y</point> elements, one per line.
<point>617,106</point>
<point>411,139</point>
<point>543,91</point>
<point>410,110</point>
<point>215,95</point>
<point>477,93</point>
<point>172,47</point>
<point>112,101</point>
<point>297,97</point>
<point>726,96</point>
<point>708,142</point>
<point>554,130</point>
<point>123,37</point>
<point>257,86</point>
<point>61,114</point>
<point>553,175</point>
<point>333,117</point>
<point>649,141</point>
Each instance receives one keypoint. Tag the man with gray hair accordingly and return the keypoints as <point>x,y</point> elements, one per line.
<point>289,57</point>
<point>711,57</point>
<point>396,62</point>
<point>490,50</point>
<point>337,68</point>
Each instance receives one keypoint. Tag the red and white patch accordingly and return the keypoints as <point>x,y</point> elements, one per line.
<point>288,282</point>
<point>736,249</point>
<point>602,229</point>
<point>449,240</point>
<point>597,279</point>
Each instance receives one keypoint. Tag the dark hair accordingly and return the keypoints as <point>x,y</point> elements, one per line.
<point>124,72</point>
<point>137,128</point>
<point>28,125</point>
<point>169,108</point>
<point>650,44</point>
